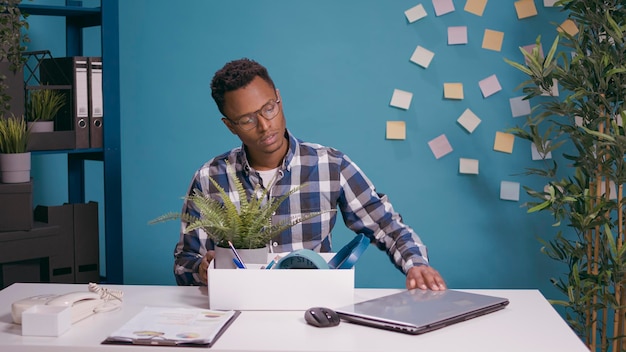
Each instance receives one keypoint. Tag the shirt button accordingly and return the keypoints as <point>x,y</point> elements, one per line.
<point>275,244</point>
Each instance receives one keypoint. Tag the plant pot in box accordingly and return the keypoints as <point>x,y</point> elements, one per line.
<point>247,225</point>
<point>15,161</point>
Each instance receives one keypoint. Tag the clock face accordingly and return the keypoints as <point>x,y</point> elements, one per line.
<point>302,259</point>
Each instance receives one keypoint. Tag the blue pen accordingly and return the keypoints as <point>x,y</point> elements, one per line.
<point>243,265</point>
<point>271,264</point>
<point>238,264</point>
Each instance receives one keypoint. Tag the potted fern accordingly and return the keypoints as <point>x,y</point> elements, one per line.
<point>584,182</point>
<point>248,226</point>
<point>14,158</point>
<point>42,107</point>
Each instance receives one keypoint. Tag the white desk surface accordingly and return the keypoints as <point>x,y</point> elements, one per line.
<point>528,323</point>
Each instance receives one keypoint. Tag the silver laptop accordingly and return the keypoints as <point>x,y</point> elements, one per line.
<point>419,311</point>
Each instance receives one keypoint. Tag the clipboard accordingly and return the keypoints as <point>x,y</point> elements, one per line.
<point>182,327</point>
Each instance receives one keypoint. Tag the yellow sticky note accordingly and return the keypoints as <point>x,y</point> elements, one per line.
<point>504,142</point>
<point>453,90</point>
<point>525,9</point>
<point>569,27</point>
<point>396,130</point>
<point>477,7</point>
<point>492,40</point>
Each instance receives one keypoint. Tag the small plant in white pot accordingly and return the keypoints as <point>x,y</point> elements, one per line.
<point>42,107</point>
<point>248,226</point>
<point>14,158</point>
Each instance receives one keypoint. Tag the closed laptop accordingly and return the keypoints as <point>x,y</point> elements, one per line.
<point>418,311</point>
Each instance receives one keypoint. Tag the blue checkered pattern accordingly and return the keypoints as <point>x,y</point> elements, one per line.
<point>333,182</point>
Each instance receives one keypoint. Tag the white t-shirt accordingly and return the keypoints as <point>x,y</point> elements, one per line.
<point>267,176</point>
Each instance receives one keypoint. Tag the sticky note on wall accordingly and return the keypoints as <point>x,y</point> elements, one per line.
<point>401,99</point>
<point>477,7</point>
<point>509,190</point>
<point>525,9</point>
<point>440,146</point>
<point>569,27</point>
<point>489,86</point>
<point>504,142</point>
<point>492,40</point>
<point>396,130</point>
<point>422,56</point>
<point>469,120</point>
<point>468,166</point>
<point>453,90</point>
<point>415,13</point>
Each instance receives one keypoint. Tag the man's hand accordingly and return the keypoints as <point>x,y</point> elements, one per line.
<point>424,277</point>
<point>204,266</point>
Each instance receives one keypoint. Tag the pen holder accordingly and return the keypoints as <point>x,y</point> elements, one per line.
<point>224,257</point>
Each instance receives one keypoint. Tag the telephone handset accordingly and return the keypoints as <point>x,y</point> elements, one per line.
<point>83,303</point>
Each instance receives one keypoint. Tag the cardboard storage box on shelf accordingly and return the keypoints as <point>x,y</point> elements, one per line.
<point>280,289</point>
<point>16,206</point>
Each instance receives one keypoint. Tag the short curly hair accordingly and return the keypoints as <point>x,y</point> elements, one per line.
<point>234,75</point>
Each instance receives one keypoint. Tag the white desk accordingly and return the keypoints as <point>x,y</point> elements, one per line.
<point>529,323</point>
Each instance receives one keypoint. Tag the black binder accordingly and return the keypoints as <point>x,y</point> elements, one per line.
<point>74,115</point>
<point>95,101</point>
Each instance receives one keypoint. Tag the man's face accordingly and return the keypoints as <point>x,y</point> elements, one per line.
<point>267,137</point>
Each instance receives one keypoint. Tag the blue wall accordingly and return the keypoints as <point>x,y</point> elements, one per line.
<point>336,64</point>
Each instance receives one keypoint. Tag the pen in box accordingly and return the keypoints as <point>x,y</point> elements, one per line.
<point>243,265</point>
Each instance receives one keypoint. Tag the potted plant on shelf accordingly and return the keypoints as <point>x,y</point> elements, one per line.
<point>12,21</point>
<point>14,158</point>
<point>248,226</point>
<point>585,180</point>
<point>42,107</point>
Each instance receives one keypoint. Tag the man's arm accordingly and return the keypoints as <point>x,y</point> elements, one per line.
<point>369,212</point>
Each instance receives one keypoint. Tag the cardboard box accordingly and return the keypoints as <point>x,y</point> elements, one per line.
<point>293,289</point>
<point>16,206</point>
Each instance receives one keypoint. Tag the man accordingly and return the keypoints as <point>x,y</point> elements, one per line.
<point>252,109</point>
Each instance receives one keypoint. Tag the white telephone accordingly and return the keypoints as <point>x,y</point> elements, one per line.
<point>83,303</point>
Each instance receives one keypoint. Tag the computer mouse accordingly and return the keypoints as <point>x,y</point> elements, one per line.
<point>321,317</point>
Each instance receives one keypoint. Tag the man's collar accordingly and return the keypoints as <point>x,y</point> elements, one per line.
<point>292,151</point>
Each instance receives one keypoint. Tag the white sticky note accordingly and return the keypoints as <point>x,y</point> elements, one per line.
<point>401,99</point>
<point>415,13</point>
<point>443,7</point>
<point>469,120</point>
<point>440,146</point>
<point>549,3</point>
<point>468,166</point>
<point>612,189</point>
<point>509,190</point>
<point>536,155</point>
<point>489,86</point>
<point>554,90</point>
<point>422,56</point>
<point>578,120</point>
<point>457,35</point>
<point>519,106</point>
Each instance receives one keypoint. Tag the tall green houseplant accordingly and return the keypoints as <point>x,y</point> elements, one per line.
<point>12,41</point>
<point>583,128</point>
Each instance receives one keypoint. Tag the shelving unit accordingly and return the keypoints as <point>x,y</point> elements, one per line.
<point>77,18</point>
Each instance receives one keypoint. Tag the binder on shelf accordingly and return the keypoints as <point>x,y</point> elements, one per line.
<point>74,115</point>
<point>95,102</point>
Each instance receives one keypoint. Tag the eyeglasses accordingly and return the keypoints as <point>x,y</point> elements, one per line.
<point>250,121</point>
